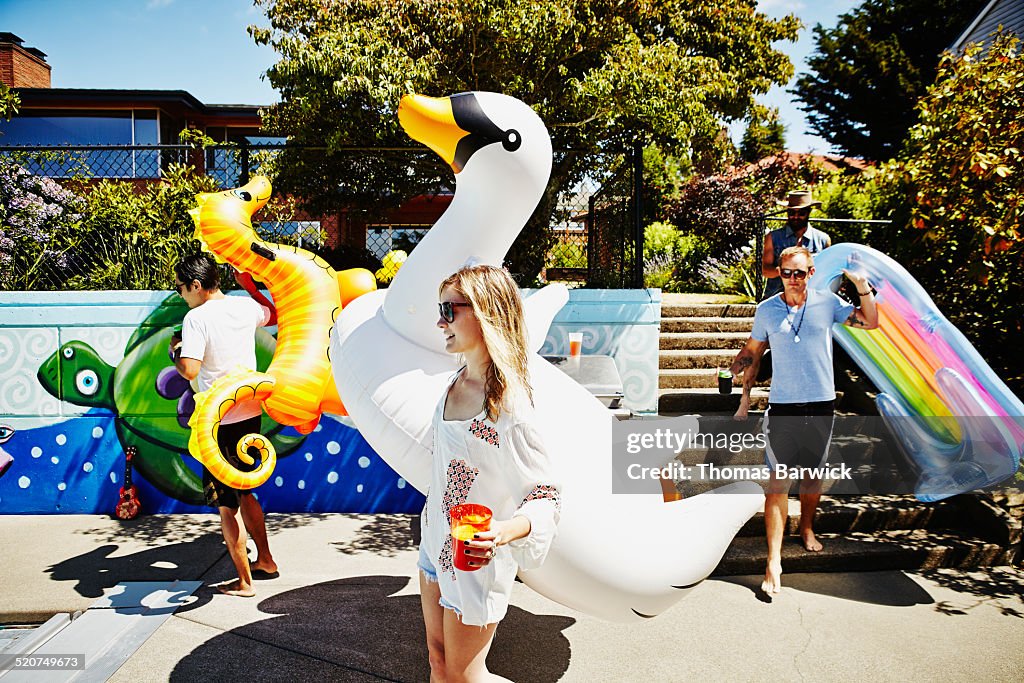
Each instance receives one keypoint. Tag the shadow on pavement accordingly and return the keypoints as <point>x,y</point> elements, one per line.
<point>356,629</point>
<point>890,588</point>
<point>99,569</point>
<point>985,585</point>
<point>181,527</point>
<point>385,535</point>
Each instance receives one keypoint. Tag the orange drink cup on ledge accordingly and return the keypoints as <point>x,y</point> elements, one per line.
<point>575,344</point>
<point>467,520</point>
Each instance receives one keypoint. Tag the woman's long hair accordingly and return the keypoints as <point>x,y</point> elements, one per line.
<point>494,297</point>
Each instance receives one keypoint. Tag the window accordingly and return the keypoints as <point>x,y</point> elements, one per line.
<point>303,234</point>
<point>75,129</point>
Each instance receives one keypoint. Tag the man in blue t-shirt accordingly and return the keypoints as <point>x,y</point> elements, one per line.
<point>801,406</point>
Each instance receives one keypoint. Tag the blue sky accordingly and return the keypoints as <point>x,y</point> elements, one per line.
<point>202,46</point>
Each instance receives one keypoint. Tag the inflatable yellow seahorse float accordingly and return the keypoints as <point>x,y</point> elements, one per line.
<point>298,385</point>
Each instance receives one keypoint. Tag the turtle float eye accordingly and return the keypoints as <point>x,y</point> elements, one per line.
<point>243,195</point>
<point>87,382</point>
<point>68,352</point>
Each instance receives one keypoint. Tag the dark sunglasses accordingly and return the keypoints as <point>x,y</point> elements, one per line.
<point>787,273</point>
<point>447,309</point>
<point>177,288</point>
<point>799,212</point>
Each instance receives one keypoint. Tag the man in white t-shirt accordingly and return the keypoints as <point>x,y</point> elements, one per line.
<point>217,336</point>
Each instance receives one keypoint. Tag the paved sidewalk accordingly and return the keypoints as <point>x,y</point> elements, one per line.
<point>346,608</point>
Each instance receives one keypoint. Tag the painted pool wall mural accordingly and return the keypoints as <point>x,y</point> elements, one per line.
<point>84,375</point>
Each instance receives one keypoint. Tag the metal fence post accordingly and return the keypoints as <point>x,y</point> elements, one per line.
<point>591,243</point>
<point>243,171</point>
<point>638,216</point>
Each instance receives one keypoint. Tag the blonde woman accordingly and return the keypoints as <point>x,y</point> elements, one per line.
<point>485,452</point>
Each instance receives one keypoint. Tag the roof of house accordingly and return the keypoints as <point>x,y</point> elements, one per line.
<point>1006,13</point>
<point>829,162</point>
<point>62,97</point>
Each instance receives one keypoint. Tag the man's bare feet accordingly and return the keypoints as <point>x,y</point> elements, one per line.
<point>743,410</point>
<point>237,589</point>
<point>810,541</point>
<point>772,578</point>
<point>264,566</point>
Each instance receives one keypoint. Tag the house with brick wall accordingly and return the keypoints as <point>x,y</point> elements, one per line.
<point>121,134</point>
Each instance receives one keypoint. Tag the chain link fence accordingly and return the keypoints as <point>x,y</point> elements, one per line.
<point>63,227</point>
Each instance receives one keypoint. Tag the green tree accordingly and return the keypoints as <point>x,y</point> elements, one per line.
<point>765,135</point>
<point>602,74</point>
<point>959,188</point>
<point>868,72</point>
<point>9,102</point>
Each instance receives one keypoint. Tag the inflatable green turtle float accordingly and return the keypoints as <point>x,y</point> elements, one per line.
<point>150,400</point>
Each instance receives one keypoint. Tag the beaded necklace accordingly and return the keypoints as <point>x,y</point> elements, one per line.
<point>803,310</point>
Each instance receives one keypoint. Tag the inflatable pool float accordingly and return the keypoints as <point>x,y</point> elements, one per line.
<point>620,557</point>
<point>954,418</point>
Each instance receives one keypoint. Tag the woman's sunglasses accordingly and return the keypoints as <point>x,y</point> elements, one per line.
<point>787,273</point>
<point>447,309</point>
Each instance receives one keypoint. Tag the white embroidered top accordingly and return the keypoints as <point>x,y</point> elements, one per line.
<point>504,466</point>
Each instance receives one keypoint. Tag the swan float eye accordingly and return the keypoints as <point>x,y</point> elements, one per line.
<point>68,352</point>
<point>512,140</point>
<point>243,195</point>
<point>87,382</point>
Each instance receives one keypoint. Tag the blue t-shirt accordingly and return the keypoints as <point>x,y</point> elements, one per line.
<point>801,371</point>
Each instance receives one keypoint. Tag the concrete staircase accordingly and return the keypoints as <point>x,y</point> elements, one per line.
<point>875,533</point>
<point>870,532</point>
<point>698,338</point>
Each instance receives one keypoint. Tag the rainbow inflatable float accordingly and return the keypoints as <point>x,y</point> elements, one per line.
<point>953,417</point>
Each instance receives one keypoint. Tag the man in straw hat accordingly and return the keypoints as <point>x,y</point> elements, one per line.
<point>797,232</point>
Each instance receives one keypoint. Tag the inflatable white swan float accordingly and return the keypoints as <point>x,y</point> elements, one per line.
<point>618,557</point>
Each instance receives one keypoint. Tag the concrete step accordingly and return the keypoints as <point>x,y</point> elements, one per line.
<point>703,400</point>
<point>711,359</point>
<point>709,324</point>
<point>864,514</point>
<point>701,340</point>
<point>708,311</point>
<point>693,378</point>
<point>902,549</point>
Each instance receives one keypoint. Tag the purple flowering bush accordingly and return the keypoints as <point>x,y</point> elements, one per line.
<point>37,220</point>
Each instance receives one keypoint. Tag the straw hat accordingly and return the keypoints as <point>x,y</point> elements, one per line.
<point>799,200</point>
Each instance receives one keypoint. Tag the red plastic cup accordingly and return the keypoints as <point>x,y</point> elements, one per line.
<point>467,519</point>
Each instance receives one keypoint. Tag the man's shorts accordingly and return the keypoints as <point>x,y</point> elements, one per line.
<point>216,493</point>
<point>798,434</point>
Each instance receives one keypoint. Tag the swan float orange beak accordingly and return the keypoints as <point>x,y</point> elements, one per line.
<point>454,127</point>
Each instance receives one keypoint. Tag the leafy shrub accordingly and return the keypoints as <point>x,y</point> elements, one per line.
<point>36,217</point>
<point>720,212</point>
<point>731,273</point>
<point>661,239</point>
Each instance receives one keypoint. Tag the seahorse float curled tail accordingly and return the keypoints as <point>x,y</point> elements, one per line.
<point>298,385</point>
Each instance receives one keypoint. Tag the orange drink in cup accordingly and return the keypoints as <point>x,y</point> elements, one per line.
<point>575,344</point>
<point>467,519</point>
